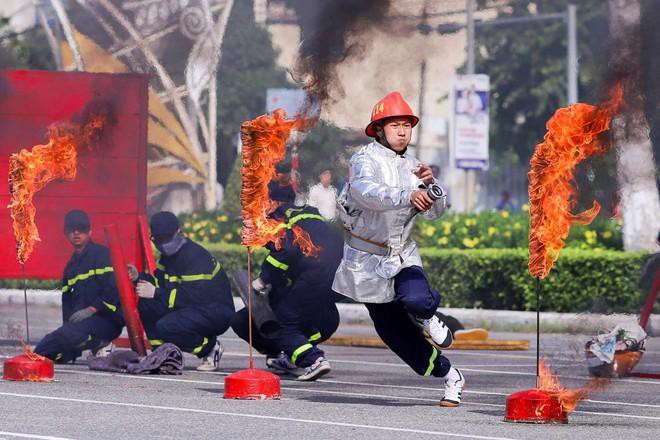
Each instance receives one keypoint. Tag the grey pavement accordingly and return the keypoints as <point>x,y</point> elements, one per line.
<point>370,394</point>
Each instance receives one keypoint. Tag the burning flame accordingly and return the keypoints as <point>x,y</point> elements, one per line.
<point>29,375</point>
<point>27,350</point>
<point>569,399</point>
<point>264,145</point>
<point>31,170</point>
<point>573,135</point>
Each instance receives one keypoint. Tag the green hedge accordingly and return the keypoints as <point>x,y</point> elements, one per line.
<point>486,230</point>
<point>594,280</point>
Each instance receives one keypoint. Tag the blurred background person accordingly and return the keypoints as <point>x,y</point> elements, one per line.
<point>505,203</point>
<point>323,196</point>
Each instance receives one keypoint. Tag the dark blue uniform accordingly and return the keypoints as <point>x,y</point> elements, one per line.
<point>192,304</point>
<point>88,281</point>
<point>301,298</point>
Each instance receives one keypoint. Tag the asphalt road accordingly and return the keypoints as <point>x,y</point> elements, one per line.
<point>368,394</point>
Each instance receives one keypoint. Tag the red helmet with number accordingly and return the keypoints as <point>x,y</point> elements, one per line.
<point>390,106</point>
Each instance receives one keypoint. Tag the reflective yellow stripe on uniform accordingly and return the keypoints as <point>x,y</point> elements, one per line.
<point>198,349</point>
<point>292,221</point>
<point>160,266</point>
<point>84,276</point>
<point>195,277</point>
<point>154,342</point>
<point>170,302</point>
<point>431,364</point>
<point>299,217</point>
<point>300,350</point>
<point>82,344</point>
<point>110,306</point>
<point>315,337</point>
<point>278,264</point>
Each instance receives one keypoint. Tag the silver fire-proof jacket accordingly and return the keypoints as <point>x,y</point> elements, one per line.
<point>375,209</point>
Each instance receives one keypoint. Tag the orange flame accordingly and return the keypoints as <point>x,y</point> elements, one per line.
<point>264,145</point>
<point>573,135</point>
<point>27,350</point>
<point>31,170</point>
<point>28,375</point>
<point>569,399</point>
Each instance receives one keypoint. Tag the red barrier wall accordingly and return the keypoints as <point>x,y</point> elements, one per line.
<point>112,173</point>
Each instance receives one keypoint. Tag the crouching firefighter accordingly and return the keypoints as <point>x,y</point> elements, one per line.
<point>381,266</point>
<point>188,302</point>
<point>298,288</point>
<point>90,302</point>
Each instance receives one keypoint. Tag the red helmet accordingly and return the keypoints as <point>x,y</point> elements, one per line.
<point>390,106</point>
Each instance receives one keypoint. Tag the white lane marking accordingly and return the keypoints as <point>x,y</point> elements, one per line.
<point>612,402</point>
<point>255,416</point>
<point>44,437</point>
<point>300,388</point>
<point>402,365</point>
<point>486,393</point>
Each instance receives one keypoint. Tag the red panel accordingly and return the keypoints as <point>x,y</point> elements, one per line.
<point>112,172</point>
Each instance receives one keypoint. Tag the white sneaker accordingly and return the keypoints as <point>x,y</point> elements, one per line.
<point>283,364</point>
<point>104,349</point>
<point>436,332</point>
<point>319,368</point>
<point>454,383</point>
<point>210,362</point>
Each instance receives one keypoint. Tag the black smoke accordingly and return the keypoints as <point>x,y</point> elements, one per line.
<point>333,32</point>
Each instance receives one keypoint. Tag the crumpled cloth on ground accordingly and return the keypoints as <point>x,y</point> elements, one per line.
<point>166,359</point>
<point>623,337</point>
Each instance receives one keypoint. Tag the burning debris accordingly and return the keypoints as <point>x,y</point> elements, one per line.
<point>550,402</point>
<point>28,366</point>
<point>264,145</point>
<point>574,133</point>
<point>31,170</point>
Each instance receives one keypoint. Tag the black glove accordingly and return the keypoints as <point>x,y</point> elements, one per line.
<point>82,314</point>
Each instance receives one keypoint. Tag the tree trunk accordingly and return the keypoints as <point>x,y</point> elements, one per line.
<point>636,172</point>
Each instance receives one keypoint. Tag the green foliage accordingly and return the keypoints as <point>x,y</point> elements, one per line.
<point>211,227</point>
<point>247,69</point>
<point>581,281</point>
<point>231,202</point>
<point>27,50</point>
<point>30,284</point>
<point>488,229</point>
<point>526,63</point>
<point>493,229</point>
<point>323,148</point>
<point>527,68</point>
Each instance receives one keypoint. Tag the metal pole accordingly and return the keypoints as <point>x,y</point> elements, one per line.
<point>571,56</point>
<point>538,331</point>
<point>27,320</point>
<point>420,112</point>
<point>249,289</point>
<point>469,7</point>
<point>469,174</point>
<point>68,32</point>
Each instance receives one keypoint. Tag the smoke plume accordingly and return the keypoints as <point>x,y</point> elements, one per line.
<point>333,32</point>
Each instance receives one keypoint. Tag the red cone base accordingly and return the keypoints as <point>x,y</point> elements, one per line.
<point>252,384</point>
<point>534,406</point>
<point>23,368</point>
